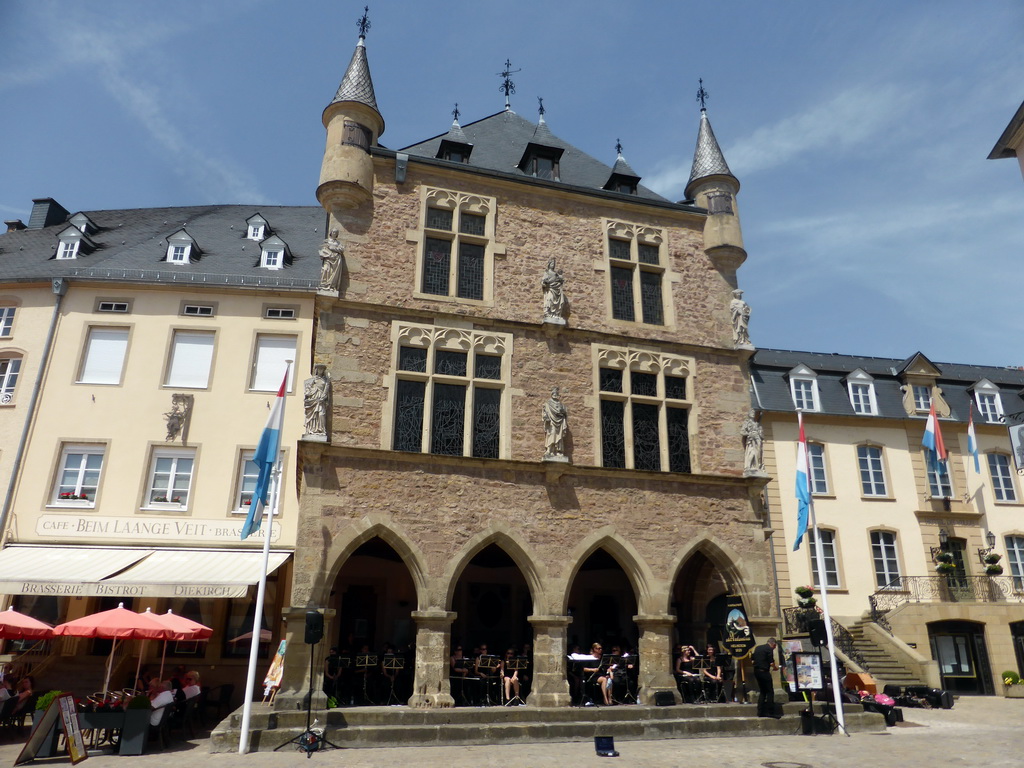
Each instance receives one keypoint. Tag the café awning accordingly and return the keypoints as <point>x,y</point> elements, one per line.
<point>116,572</point>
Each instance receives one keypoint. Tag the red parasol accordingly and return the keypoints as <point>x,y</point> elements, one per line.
<point>179,624</point>
<point>19,626</point>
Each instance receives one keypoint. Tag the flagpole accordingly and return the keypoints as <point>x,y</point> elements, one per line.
<point>261,593</point>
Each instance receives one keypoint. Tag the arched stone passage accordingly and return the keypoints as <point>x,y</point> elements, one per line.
<point>705,574</point>
<point>602,603</point>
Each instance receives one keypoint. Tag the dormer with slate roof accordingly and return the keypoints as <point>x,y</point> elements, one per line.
<point>182,248</point>
<point>541,156</point>
<point>987,401</point>
<point>84,223</point>
<point>455,147</point>
<point>803,387</point>
<point>72,243</point>
<point>919,376</point>
<point>623,178</point>
<point>274,253</point>
<point>256,228</point>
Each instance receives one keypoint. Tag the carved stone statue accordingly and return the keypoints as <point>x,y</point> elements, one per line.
<point>317,401</point>
<point>554,299</point>
<point>556,422</point>
<point>177,418</point>
<point>331,253</point>
<point>753,445</point>
<point>740,311</point>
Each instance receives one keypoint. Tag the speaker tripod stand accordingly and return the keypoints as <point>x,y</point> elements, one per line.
<point>312,739</point>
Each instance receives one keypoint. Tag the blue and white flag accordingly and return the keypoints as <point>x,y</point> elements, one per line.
<point>803,489</point>
<point>265,458</point>
<point>972,440</point>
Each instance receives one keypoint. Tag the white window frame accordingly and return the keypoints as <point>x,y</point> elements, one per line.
<point>885,557</point>
<point>1015,557</point>
<point>1003,488</point>
<point>197,310</point>
<point>120,307</point>
<point>280,313</point>
<point>168,492</point>
<point>830,555</point>
<point>871,460</point>
<point>861,388</point>
<point>262,378</point>
<point>78,486</point>
<point>245,484</point>
<point>68,249</point>
<point>10,367</point>
<point>272,258</point>
<point>805,380</point>
<point>816,464</point>
<point>256,232</point>
<point>191,352</point>
<point>988,402</point>
<point>922,397</point>
<point>7,314</point>
<point>940,486</point>
<point>179,253</point>
<point>110,346</point>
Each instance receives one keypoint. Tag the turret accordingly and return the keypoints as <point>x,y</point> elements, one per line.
<point>712,186</point>
<point>353,125</point>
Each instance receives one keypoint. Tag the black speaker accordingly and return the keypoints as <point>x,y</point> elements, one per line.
<point>816,629</point>
<point>314,627</point>
<point>664,699</point>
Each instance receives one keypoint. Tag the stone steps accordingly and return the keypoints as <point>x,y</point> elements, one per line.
<point>360,727</point>
<point>884,668</point>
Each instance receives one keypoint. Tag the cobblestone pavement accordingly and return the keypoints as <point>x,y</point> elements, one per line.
<point>978,731</point>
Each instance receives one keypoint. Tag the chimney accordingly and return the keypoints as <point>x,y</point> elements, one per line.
<point>46,212</point>
<point>15,225</point>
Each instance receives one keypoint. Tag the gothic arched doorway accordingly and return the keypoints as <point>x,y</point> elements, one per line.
<point>698,597</point>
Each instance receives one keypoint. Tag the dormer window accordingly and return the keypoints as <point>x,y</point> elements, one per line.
<point>922,397</point>
<point>68,249</point>
<point>454,151</point>
<point>861,387</point>
<point>273,253</point>
<point>541,161</point>
<point>181,248</point>
<point>803,384</point>
<point>72,243</point>
<point>988,402</point>
<point>257,228</point>
<point>83,223</point>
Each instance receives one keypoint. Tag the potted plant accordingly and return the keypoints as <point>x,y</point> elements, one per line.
<point>944,569</point>
<point>162,502</point>
<point>1013,685</point>
<point>993,558</point>
<point>993,569</point>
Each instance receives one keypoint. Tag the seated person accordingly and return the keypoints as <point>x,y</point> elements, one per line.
<point>24,693</point>
<point>600,674</point>
<point>510,678</point>
<point>712,674</point>
<point>191,687</point>
<point>687,680</point>
<point>160,696</point>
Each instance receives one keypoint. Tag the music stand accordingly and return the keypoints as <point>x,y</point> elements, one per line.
<point>364,663</point>
<point>517,664</point>
<point>490,665</point>
<point>701,663</point>
<point>396,664</point>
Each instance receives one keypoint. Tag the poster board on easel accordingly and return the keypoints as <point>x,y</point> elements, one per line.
<point>43,728</point>
<point>272,682</point>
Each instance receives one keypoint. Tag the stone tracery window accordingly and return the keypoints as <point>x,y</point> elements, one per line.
<point>636,267</point>
<point>456,257</point>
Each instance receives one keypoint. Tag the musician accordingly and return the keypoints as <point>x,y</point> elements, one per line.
<point>713,674</point>
<point>604,680</point>
<point>489,676</point>
<point>510,677</point>
<point>620,673</point>
<point>687,680</point>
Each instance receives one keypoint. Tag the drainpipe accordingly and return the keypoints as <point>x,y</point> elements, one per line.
<point>59,288</point>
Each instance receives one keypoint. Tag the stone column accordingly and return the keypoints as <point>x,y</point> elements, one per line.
<point>550,686</point>
<point>655,651</point>
<point>433,643</point>
<point>295,679</point>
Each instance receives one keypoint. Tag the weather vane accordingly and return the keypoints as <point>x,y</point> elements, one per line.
<point>507,86</point>
<point>540,106</point>
<point>702,95</point>
<point>618,147</point>
<point>456,113</point>
<point>364,22</point>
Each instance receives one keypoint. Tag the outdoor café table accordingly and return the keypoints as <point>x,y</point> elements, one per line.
<point>133,725</point>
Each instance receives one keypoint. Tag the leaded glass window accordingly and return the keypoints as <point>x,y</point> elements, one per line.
<point>488,366</point>
<point>448,419</point>
<point>486,422</point>
<point>613,434</point>
<point>409,415</point>
<point>646,441</point>
<point>619,249</point>
<point>456,260</point>
<point>678,439</point>
<point>450,363</point>
<point>412,359</point>
<point>644,384</point>
<point>650,297</point>
<point>438,218</point>
<point>675,387</point>
<point>436,265</point>
<point>611,380</point>
<point>622,294</point>
<point>471,271</point>
<point>636,296</point>
<point>648,253</point>
<point>472,224</point>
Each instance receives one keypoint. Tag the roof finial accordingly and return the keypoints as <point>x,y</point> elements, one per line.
<point>364,22</point>
<point>618,148</point>
<point>540,108</point>
<point>456,113</point>
<point>702,95</point>
<point>506,82</point>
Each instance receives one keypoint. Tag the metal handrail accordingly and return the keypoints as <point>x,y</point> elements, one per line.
<point>950,588</point>
<point>795,621</point>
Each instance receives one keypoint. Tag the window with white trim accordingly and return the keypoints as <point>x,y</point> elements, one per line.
<point>872,470</point>
<point>1015,557</point>
<point>170,477</point>
<point>456,258</point>
<point>922,397</point>
<point>861,387</point>
<point>103,360</point>
<point>6,321</point>
<point>988,401</point>
<point>269,362</point>
<point>886,559</point>
<point>636,269</point>
<point>279,313</point>
<point>68,249</point>
<point>451,391</point>
<point>272,258</point>
<point>816,465</point>
<point>197,310</point>
<point>1002,477</point>
<point>256,227</point>
<point>191,359</point>
<point>940,485</point>
<point>828,554</point>
<point>645,409</point>
<point>256,232</point>
<point>78,478</point>
<point>10,367</point>
<point>245,483</point>
<point>803,386</point>
<point>178,254</point>
<point>120,307</point>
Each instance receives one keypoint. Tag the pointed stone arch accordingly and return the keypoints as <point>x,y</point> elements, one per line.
<point>522,555</point>
<point>360,532</point>
<point>707,564</point>
<point>633,565</point>
<point>725,559</point>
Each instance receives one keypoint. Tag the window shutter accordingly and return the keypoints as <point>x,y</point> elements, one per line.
<point>191,356</point>
<point>104,356</point>
<point>271,354</point>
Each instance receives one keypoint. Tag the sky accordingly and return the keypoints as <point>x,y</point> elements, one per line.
<point>873,222</point>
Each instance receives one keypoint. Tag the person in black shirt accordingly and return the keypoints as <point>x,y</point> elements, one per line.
<point>764,663</point>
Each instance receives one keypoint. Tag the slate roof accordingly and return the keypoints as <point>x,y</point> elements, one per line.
<point>771,392</point>
<point>708,159</point>
<point>132,245</point>
<point>357,85</point>
<point>500,140</point>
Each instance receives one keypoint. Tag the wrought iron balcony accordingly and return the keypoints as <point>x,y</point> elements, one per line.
<point>953,588</point>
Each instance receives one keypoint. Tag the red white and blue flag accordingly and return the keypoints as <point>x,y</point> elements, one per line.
<point>265,457</point>
<point>935,449</point>
<point>972,440</point>
<point>803,489</point>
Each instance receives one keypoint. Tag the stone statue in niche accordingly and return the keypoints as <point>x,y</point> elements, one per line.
<point>317,401</point>
<point>556,422</point>
<point>331,253</point>
<point>753,445</point>
<point>555,304</point>
<point>740,311</point>
<point>178,417</point>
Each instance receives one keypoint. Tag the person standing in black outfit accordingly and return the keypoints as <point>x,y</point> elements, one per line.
<point>764,664</point>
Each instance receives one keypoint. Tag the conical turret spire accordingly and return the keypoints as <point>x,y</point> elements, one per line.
<point>357,85</point>
<point>708,159</point>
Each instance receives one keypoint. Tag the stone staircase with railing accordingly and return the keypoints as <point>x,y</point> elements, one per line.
<point>880,662</point>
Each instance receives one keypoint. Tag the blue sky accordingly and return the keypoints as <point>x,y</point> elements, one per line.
<point>873,221</point>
